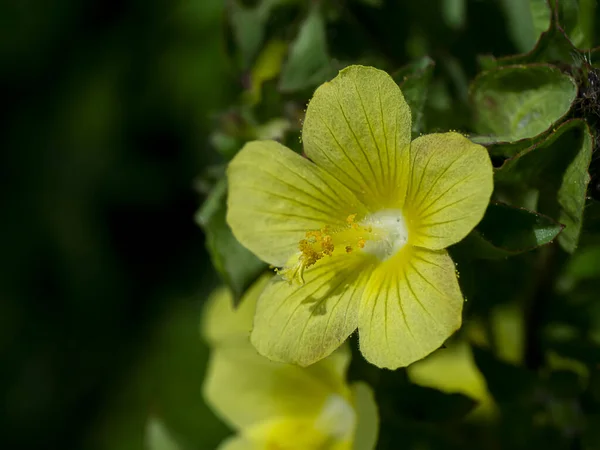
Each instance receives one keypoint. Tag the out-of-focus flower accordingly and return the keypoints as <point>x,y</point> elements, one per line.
<point>275,406</point>
<point>359,229</point>
<point>453,370</point>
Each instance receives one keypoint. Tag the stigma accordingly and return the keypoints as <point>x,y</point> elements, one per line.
<point>390,233</point>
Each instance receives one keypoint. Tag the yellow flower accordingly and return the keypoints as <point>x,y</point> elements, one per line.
<point>453,370</point>
<point>360,227</point>
<point>275,406</point>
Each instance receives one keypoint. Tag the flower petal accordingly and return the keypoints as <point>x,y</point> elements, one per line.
<point>302,324</point>
<point>276,196</point>
<point>294,433</point>
<point>222,322</point>
<point>358,127</point>
<point>451,370</point>
<point>239,443</point>
<point>245,388</point>
<point>410,306</point>
<point>450,187</point>
<point>367,426</point>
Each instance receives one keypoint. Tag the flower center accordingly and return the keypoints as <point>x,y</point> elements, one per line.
<point>337,418</point>
<point>389,235</point>
<point>334,425</point>
<point>381,234</point>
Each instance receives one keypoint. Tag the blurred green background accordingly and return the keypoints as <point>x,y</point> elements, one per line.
<point>107,111</point>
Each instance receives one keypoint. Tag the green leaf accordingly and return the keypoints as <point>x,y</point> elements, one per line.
<point>414,80</point>
<point>267,66</point>
<point>248,27</point>
<point>226,144</point>
<point>553,46</point>
<point>571,27</point>
<point>248,30</point>
<point>520,102</point>
<point>506,231</point>
<point>527,19</point>
<point>541,14</point>
<point>508,149</point>
<point>158,437</point>
<point>517,229</point>
<point>557,170</point>
<point>454,13</point>
<point>576,17</point>
<point>585,265</point>
<point>237,266</point>
<point>240,125</point>
<point>308,63</point>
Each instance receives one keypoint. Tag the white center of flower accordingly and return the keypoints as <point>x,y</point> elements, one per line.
<point>337,418</point>
<point>390,233</point>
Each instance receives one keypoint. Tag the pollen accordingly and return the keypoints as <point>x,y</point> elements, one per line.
<point>327,245</point>
<point>309,254</point>
<point>315,234</point>
<point>317,244</point>
<point>351,221</point>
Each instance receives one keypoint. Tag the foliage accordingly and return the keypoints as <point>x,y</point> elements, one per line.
<point>531,334</point>
<point>119,121</point>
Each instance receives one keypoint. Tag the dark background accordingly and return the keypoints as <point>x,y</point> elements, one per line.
<point>106,108</point>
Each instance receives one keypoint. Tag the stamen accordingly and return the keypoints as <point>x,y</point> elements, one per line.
<point>381,234</point>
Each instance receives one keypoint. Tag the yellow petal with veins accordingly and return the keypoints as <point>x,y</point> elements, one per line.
<point>275,196</point>
<point>410,306</point>
<point>450,187</point>
<point>304,323</point>
<point>358,127</point>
